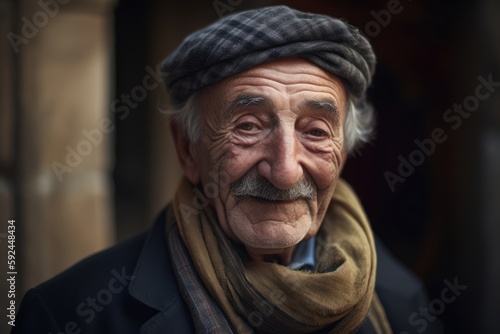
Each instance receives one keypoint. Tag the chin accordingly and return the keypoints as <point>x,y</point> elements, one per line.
<point>266,224</point>
<point>270,234</point>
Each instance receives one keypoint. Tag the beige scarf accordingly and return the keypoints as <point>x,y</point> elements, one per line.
<point>271,298</point>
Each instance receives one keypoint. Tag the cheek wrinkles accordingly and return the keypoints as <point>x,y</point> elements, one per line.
<point>244,155</point>
<point>331,160</point>
<point>217,147</point>
<point>328,150</point>
<point>337,150</point>
<point>216,137</point>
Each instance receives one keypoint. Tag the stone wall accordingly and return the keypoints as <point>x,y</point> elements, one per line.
<point>55,131</point>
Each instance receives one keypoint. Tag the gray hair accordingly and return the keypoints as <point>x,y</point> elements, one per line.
<point>358,127</point>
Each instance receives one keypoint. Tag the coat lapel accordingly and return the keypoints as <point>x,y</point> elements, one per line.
<point>155,285</point>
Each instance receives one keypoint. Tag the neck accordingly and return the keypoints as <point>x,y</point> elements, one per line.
<point>281,255</point>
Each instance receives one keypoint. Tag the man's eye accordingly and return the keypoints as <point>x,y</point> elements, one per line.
<point>317,133</point>
<point>247,126</point>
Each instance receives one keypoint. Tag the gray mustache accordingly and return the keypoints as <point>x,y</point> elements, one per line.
<point>261,188</point>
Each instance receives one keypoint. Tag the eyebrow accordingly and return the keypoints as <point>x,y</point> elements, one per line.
<point>245,101</point>
<point>256,100</point>
<point>327,105</point>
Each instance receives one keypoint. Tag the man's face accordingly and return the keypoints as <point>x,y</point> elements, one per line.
<point>275,132</point>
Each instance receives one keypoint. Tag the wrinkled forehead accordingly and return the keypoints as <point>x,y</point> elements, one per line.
<point>288,80</point>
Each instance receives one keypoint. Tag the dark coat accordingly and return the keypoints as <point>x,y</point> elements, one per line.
<point>131,288</point>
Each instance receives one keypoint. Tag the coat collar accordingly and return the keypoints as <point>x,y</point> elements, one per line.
<point>155,285</point>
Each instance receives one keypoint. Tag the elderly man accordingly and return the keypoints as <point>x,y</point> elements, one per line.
<point>262,235</point>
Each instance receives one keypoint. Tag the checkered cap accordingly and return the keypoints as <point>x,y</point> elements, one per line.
<point>246,39</point>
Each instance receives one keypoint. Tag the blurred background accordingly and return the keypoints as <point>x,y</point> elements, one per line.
<point>86,158</point>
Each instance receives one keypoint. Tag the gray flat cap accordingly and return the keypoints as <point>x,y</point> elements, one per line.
<point>246,39</point>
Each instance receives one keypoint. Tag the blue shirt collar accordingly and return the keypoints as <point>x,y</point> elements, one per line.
<point>303,257</point>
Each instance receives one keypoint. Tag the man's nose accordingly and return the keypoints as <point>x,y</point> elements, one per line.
<point>282,165</point>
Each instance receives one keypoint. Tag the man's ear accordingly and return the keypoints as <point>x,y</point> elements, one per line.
<point>185,153</point>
